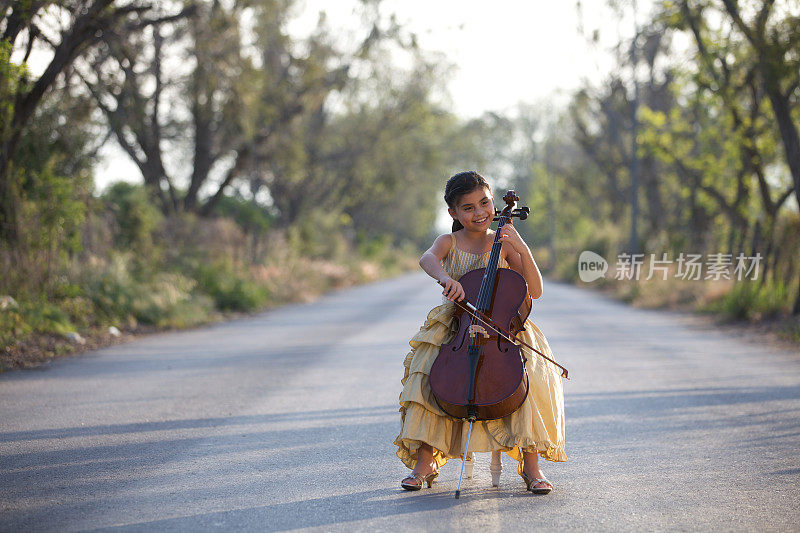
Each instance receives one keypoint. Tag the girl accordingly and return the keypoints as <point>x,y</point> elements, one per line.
<point>428,437</point>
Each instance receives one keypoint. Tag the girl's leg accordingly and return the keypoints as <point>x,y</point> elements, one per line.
<point>425,464</point>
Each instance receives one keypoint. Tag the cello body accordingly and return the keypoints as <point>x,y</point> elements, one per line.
<point>500,382</point>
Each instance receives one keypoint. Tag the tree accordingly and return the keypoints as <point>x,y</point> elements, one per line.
<point>250,92</point>
<point>725,88</point>
<point>387,153</point>
<point>741,68</point>
<point>604,124</point>
<point>776,44</point>
<point>32,27</point>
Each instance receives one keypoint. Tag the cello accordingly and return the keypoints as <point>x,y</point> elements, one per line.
<point>480,374</point>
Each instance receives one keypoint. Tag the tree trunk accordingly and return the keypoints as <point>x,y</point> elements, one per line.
<point>796,309</point>
<point>789,136</point>
<point>8,204</point>
<point>781,107</point>
<point>655,204</point>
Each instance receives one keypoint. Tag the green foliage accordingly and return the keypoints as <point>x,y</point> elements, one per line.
<point>605,239</point>
<point>13,325</point>
<point>252,217</point>
<point>712,162</point>
<point>20,320</point>
<point>165,299</point>
<point>136,216</point>
<point>230,289</point>
<point>338,158</point>
<point>54,210</point>
<point>112,290</point>
<point>752,300</point>
<point>321,235</point>
<point>371,163</point>
<point>373,248</point>
<point>50,179</point>
<point>48,318</point>
<point>79,310</point>
<point>10,76</point>
<point>400,178</point>
<point>168,300</point>
<point>392,258</point>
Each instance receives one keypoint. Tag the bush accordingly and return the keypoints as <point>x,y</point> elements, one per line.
<point>12,323</point>
<point>601,238</point>
<point>229,289</point>
<point>19,320</point>
<point>321,235</point>
<point>112,289</point>
<point>750,300</point>
<point>48,318</point>
<point>169,301</point>
<point>164,299</point>
<point>385,255</point>
<point>136,216</point>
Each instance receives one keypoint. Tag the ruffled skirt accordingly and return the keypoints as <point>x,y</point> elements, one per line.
<point>537,426</point>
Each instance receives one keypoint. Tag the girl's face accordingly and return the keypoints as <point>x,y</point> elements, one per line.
<point>475,210</point>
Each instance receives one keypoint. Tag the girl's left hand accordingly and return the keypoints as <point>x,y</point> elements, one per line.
<point>508,234</point>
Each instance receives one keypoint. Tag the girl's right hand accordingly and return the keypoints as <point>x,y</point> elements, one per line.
<point>453,290</point>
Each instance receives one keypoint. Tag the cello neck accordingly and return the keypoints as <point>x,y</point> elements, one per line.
<point>490,274</point>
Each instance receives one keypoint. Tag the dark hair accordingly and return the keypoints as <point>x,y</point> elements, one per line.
<point>459,185</point>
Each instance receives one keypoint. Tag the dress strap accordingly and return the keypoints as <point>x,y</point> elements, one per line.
<point>447,262</point>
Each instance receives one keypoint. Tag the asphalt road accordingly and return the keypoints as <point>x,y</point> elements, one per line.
<point>285,420</point>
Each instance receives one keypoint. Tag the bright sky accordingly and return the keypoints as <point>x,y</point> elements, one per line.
<point>505,51</point>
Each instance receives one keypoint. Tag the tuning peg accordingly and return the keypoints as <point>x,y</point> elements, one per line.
<point>521,213</point>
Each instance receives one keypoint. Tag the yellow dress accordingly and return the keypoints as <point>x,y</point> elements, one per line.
<point>537,426</point>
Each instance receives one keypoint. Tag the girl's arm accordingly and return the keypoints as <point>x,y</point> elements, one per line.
<point>431,262</point>
<point>520,259</point>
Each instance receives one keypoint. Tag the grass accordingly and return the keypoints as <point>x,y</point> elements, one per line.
<point>116,291</point>
<point>752,301</point>
<point>764,306</point>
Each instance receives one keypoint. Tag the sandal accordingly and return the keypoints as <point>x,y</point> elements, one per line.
<point>417,480</point>
<point>539,490</point>
<point>535,481</point>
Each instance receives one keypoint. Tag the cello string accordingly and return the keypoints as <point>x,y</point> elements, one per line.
<point>491,268</point>
<point>486,274</point>
<point>515,340</point>
<point>474,314</point>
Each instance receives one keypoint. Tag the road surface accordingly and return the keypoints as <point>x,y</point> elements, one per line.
<point>285,420</point>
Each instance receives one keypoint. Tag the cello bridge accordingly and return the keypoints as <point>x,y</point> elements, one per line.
<point>475,330</point>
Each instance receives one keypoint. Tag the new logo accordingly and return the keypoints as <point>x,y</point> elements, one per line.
<point>591,266</point>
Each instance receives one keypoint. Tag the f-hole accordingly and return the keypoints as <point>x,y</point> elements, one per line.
<point>463,336</point>
<point>500,347</point>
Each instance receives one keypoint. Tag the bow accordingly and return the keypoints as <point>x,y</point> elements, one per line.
<point>502,332</point>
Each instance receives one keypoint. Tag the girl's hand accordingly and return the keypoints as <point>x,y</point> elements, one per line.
<point>453,290</point>
<point>508,234</point>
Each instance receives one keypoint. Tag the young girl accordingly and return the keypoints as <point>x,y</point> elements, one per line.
<point>428,437</point>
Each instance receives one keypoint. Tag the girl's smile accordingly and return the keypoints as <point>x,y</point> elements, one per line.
<point>475,210</point>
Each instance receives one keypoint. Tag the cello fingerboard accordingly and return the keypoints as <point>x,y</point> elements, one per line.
<point>487,285</point>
